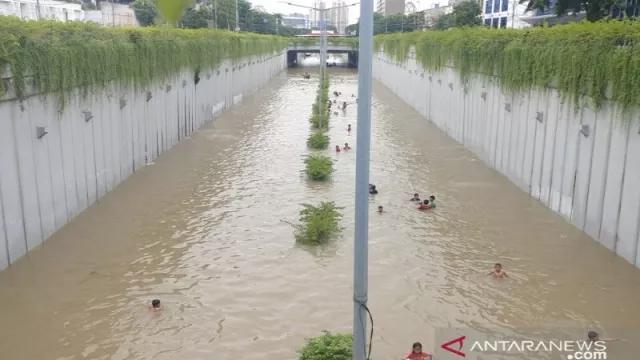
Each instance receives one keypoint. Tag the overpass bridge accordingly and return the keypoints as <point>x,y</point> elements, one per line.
<point>294,49</point>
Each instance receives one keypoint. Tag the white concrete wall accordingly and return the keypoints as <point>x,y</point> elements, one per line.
<point>593,181</point>
<point>46,182</point>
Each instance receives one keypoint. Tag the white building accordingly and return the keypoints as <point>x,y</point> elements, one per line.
<point>339,16</point>
<point>47,9</point>
<point>112,15</point>
<point>315,16</point>
<point>504,14</point>
<point>296,20</point>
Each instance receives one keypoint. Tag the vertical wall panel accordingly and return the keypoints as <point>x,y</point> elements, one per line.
<point>627,245</point>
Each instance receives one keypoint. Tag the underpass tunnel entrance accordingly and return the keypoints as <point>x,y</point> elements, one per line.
<point>311,58</point>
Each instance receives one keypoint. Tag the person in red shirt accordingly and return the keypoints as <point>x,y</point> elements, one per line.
<point>417,354</point>
<point>424,206</point>
<point>337,148</point>
<point>349,128</point>
<point>346,146</point>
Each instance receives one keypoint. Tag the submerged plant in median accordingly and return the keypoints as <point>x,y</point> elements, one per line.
<point>329,346</point>
<point>318,140</point>
<point>318,167</point>
<point>318,224</point>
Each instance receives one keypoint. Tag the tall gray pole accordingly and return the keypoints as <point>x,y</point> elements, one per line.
<point>320,99</point>
<point>38,15</point>
<point>363,155</point>
<point>237,18</point>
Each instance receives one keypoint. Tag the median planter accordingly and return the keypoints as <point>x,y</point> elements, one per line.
<point>329,346</point>
<point>318,224</point>
<point>319,167</point>
<point>318,141</point>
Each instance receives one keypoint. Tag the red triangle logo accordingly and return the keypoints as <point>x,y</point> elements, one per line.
<point>458,352</point>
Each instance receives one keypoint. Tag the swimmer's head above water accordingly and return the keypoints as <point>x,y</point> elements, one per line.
<point>380,209</point>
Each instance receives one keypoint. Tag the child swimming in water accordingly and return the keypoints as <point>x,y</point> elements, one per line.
<point>337,148</point>
<point>416,353</point>
<point>424,205</point>
<point>415,197</point>
<point>155,305</point>
<point>349,128</point>
<point>498,272</point>
<point>346,146</point>
<point>380,209</point>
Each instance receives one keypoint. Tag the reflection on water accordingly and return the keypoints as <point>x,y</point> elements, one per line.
<point>202,230</point>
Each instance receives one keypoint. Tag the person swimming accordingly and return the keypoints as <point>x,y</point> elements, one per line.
<point>380,209</point>
<point>416,353</point>
<point>424,205</point>
<point>349,128</point>
<point>155,305</point>
<point>432,201</point>
<point>346,146</point>
<point>372,190</point>
<point>337,148</point>
<point>344,105</point>
<point>594,336</point>
<point>415,197</point>
<point>497,271</point>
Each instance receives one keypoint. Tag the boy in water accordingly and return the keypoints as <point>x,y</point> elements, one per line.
<point>594,336</point>
<point>155,305</point>
<point>380,209</point>
<point>424,205</point>
<point>432,201</point>
<point>416,353</point>
<point>349,128</point>
<point>337,148</point>
<point>415,197</point>
<point>497,271</point>
<point>346,146</point>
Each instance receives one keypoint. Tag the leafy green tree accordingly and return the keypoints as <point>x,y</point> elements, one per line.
<point>595,9</point>
<point>444,22</point>
<point>197,18</point>
<point>467,14</point>
<point>145,11</point>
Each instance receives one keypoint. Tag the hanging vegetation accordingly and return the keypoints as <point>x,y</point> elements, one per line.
<point>63,56</point>
<point>318,224</point>
<point>323,113</point>
<point>328,346</point>
<point>601,60</point>
<point>308,41</point>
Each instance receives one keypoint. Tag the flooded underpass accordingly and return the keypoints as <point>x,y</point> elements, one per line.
<point>206,230</point>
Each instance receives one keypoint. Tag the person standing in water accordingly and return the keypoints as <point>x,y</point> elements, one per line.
<point>349,129</point>
<point>416,353</point>
<point>415,197</point>
<point>432,201</point>
<point>346,147</point>
<point>380,209</point>
<point>337,148</point>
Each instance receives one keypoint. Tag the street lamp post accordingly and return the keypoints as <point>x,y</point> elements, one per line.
<point>237,18</point>
<point>323,47</point>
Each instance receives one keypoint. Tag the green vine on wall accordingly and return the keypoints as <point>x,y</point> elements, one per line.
<point>600,60</point>
<point>60,57</point>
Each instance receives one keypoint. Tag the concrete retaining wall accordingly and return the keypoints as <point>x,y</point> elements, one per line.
<point>45,182</point>
<point>591,177</point>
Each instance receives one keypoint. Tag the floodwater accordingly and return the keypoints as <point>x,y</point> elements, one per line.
<point>205,230</point>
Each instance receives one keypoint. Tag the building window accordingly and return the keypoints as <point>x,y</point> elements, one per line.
<point>495,23</point>
<point>487,9</point>
<point>505,5</point>
<point>496,6</point>
<point>503,22</point>
<point>487,22</point>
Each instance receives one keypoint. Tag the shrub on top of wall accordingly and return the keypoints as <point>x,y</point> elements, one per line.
<point>324,110</point>
<point>601,60</point>
<point>351,42</point>
<point>329,346</point>
<point>61,56</point>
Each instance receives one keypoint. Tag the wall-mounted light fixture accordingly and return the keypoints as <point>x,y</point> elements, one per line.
<point>41,132</point>
<point>507,107</point>
<point>585,130</point>
<point>540,116</point>
<point>217,72</point>
<point>430,78</point>
<point>87,115</point>
<point>451,86</point>
<point>184,83</point>
<point>440,81</point>
<point>167,88</point>
<point>226,70</point>
<point>465,90</point>
<point>422,75</point>
<point>208,76</point>
<point>123,103</point>
<point>149,95</point>
<point>483,95</point>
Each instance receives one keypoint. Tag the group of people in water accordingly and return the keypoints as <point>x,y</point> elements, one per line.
<point>427,204</point>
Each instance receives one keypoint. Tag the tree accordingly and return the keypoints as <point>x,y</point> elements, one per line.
<point>145,11</point>
<point>196,18</point>
<point>444,22</point>
<point>595,9</point>
<point>467,14</point>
